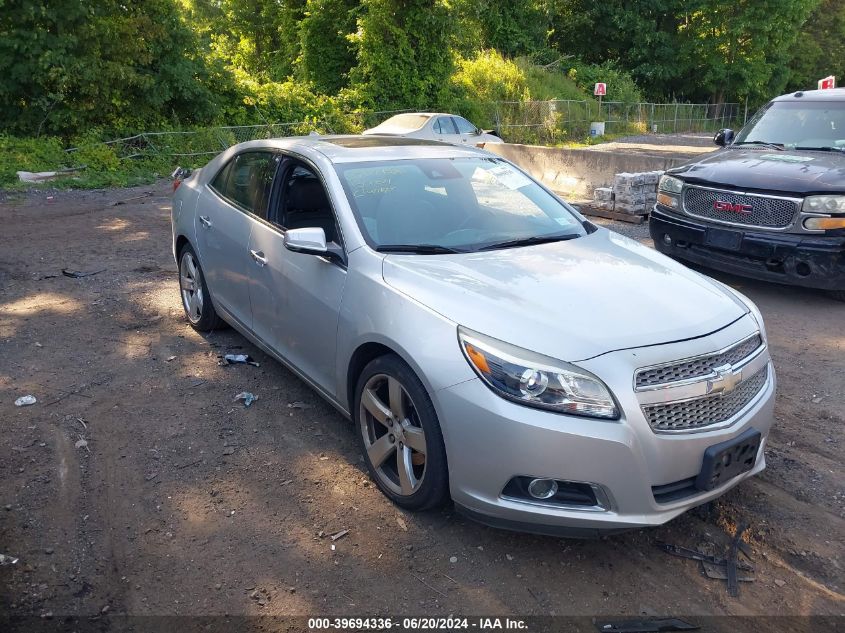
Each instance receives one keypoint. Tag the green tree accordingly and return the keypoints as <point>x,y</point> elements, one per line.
<point>327,53</point>
<point>513,28</point>
<point>819,50</point>
<point>403,55</point>
<point>67,66</point>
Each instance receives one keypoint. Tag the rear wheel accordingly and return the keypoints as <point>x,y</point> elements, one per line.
<point>194,292</point>
<point>400,435</point>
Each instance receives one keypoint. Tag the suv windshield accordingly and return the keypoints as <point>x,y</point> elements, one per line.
<point>797,125</point>
<point>440,205</point>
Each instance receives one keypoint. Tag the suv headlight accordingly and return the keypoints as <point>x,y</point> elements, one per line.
<point>670,184</point>
<point>824,204</point>
<point>536,380</point>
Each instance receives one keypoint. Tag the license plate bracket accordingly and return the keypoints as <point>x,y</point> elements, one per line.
<point>729,459</point>
<point>720,238</point>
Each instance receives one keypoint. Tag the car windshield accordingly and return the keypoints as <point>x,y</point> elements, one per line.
<point>797,125</point>
<point>402,123</point>
<point>438,205</point>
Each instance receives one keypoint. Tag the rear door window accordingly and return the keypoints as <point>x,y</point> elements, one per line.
<point>444,125</point>
<point>247,180</point>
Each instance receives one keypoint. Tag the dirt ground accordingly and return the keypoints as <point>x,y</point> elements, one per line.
<point>136,485</point>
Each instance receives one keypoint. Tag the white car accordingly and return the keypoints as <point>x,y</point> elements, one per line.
<point>436,126</point>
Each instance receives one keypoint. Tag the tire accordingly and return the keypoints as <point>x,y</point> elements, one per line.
<point>838,295</point>
<point>405,437</point>
<point>196,300</point>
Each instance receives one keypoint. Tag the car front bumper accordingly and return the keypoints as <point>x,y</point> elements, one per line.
<point>812,261</point>
<point>490,440</point>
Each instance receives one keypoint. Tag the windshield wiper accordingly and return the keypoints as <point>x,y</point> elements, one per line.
<point>420,249</point>
<point>529,241</point>
<point>826,148</point>
<point>777,146</point>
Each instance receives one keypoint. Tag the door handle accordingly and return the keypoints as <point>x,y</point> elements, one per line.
<point>258,257</point>
<point>205,221</point>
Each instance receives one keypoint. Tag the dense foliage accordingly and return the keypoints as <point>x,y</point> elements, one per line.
<point>70,66</point>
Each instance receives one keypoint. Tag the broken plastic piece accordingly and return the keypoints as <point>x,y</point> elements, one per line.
<point>247,397</point>
<point>235,359</point>
<point>645,626</point>
<point>25,401</point>
<point>5,559</point>
<point>75,274</point>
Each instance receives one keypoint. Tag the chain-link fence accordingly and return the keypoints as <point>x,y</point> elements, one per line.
<point>550,122</point>
<point>531,122</point>
<point>197,146</point>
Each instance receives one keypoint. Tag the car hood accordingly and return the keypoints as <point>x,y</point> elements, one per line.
<point>797,172</point>
<point>571,300</point>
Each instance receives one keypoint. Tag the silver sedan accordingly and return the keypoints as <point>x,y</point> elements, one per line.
<point>490,344</point>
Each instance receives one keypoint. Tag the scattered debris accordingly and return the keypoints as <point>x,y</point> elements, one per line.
<point>300,405</point>
<point>339,535</point>
<point>146,194</point>
<point>150,476</point>
<point>453,559</point>
<point>25,401</point>
<point>716,567</point>
<point>247,397</point>
<point>229,450</point>
<point>645,626</point>
<point>780,583</point>
<point>37,344</point>
<point>41,176</point>
<point>286,482</point>
<point>429,586</point>
<point>75,274</point>
<point>170,358</point>
<point>5,559</point>
<point>82,443</point>
<point>733,553</point>
<point>401,522</point>
<point>237,359</point>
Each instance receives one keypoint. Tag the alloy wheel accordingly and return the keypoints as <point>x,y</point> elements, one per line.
<point>190,282</point>
<point>393,435</point>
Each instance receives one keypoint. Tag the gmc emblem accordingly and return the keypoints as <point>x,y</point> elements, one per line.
<point>721,205</point>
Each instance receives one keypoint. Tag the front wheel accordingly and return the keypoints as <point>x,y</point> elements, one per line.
<point>194,292</point>
<point>400,435</point>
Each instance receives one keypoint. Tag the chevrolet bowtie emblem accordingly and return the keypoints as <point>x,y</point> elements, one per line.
<point>727,379</point>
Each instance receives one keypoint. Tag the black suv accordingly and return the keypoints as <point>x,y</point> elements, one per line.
<point>771,204</point>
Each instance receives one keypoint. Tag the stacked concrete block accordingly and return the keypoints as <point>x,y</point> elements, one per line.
<point>631,193</point>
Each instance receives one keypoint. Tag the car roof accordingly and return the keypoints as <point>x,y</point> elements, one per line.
<point>831,94</point>
<point>359,148</point>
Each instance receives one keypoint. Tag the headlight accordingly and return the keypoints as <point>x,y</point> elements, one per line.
<point>670,184</point>
<point>824,204</point>
<point>748,303</point>
<point>536,380</point>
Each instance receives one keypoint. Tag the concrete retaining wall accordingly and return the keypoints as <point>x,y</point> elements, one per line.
<point>574,173</point>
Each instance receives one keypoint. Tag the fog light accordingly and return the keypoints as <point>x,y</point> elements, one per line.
<point>542,488</point>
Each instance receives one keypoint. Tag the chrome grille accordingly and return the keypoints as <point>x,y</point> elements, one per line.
<point>696,367</point>
<point>767,212</point>
<point>703,412</point>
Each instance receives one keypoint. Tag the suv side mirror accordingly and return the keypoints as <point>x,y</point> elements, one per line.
<point>724,137</point>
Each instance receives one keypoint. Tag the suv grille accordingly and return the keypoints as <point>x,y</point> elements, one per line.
<point>702,412</point>
<point>768,212</point>
<point>697,367</point>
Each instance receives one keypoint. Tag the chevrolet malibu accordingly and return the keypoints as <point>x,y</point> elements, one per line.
<point>490,344</point>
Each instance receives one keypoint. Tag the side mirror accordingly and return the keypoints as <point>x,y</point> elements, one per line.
<point>724,137</point>
<point>310,240</point>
